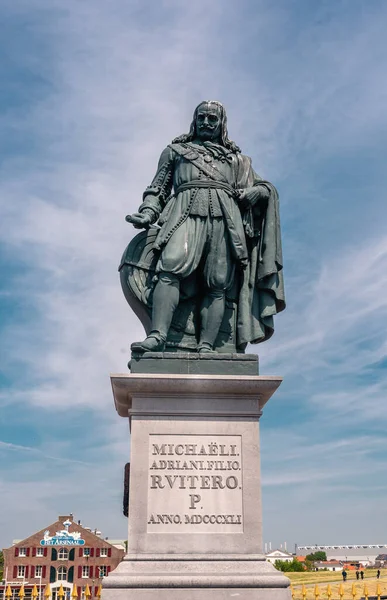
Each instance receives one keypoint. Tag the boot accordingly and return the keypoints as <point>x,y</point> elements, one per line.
<point>211,314</point>
<point>165,300</point>
<point>153,343</point>
<point>205,348</point>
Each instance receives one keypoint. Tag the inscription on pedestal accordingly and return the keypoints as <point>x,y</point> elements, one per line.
<point>195,484</point>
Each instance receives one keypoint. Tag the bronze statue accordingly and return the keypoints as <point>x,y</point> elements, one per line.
<point>209,276</point>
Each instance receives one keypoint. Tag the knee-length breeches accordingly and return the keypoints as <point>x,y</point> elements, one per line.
<point>200,243</point>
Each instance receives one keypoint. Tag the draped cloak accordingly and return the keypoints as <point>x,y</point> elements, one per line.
<point>254,232</point>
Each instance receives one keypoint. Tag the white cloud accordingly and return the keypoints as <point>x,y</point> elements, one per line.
<point>339,336</point>
<point>35,451</point>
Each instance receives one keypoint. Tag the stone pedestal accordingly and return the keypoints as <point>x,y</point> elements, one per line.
<point>195,527</point>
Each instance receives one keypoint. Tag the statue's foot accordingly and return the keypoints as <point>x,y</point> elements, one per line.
<point>153,343</point>
<point>205,348</point>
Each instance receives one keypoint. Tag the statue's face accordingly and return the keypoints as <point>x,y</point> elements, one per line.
<point>208,122</point>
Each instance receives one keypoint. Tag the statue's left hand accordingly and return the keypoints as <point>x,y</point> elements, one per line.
<point>251,195</point>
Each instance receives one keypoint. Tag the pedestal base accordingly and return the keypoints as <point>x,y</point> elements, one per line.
<point>195,527</point>
<point>196,578</point>
<point>192,363</point>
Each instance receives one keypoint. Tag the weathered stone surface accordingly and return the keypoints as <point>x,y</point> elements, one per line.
<point>195,528</point>
<point>193,363</point>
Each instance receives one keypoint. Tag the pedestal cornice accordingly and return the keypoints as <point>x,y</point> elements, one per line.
<point>126,387</point>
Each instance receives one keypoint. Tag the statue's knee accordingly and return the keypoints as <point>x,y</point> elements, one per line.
<point>217,293</point>
<point>217,281</point>
<point>168,278</point>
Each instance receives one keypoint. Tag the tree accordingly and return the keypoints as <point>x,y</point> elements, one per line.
<point>309,565</point>
<point>319,555</point>
<point>287,567</point>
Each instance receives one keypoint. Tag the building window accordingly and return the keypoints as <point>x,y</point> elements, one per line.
<point>38,571</point>
<point>85,571</point>
<point>86,552</point>
<point>21,571</point>
<point>39,551</point>
<point>62,574</point>
<point>22,551</point>
<point>63,554</point>
<point>103,571</point>
<point>104,552</point>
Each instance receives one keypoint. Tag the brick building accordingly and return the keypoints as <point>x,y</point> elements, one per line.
<point>64,553</point>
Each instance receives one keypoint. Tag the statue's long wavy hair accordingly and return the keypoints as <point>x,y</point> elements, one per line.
<point>224,139</point>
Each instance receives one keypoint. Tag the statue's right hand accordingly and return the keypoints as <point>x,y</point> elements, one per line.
<point>139,220</point>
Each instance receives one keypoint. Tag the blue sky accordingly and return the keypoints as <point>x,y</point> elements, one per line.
<point>91,93</point>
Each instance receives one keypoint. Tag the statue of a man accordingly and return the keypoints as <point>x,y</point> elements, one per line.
<point>219,230</point>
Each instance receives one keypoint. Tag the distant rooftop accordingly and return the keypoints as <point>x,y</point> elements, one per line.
<point>342,547</point>
<point>277,551</point>
<point>95,531</point>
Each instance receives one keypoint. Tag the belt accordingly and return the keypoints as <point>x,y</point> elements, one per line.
<point>198,183</point>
